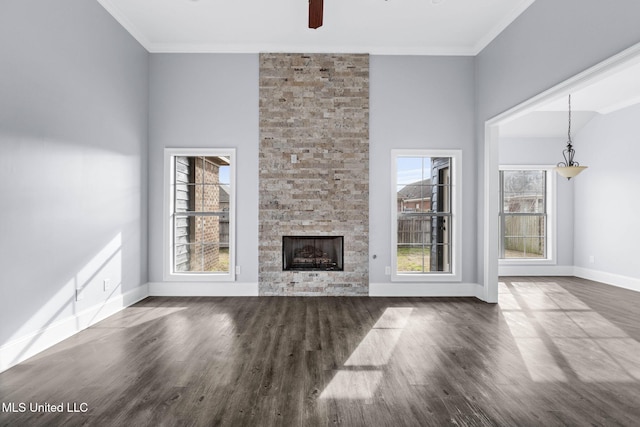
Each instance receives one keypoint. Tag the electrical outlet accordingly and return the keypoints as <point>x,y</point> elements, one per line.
<point>106,284</point>
<point>592,259</point>
<point>238,269</point>
<point>387,271</point>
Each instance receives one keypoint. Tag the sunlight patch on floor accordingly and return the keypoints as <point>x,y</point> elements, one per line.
<point>560,337</point>
<point>358,385</point>
<point>539,361</point>
<point>362,372</point>
<point>375,349</point>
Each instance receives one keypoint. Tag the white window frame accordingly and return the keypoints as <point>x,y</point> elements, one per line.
<point>167,223</point>
<point>552,217</point>
<point>456,214</point>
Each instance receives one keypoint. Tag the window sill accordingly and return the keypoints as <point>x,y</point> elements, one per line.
<point>425,278</point>
<point>524,261</point>
<point>199,277</point>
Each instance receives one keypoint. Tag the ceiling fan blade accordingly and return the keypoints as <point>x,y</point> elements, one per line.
<point>315,13</point>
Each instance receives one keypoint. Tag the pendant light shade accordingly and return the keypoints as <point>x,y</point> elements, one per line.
<point>569,168</point>
<point>569,171</point>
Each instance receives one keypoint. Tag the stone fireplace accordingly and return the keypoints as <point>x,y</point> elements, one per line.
<point>314,171</point>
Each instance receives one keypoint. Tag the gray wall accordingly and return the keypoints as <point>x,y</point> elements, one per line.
<point>606,194</point>
<point>550,42</point>
<point>210,100</point>
<point>546,152</point>
<point>419,102</point>
<point>73,139</point>
<point>206,101</point>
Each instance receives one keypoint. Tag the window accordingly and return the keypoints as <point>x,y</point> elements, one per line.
<point>525,207</point>
<point>425,222</point>
<point>200,214</point>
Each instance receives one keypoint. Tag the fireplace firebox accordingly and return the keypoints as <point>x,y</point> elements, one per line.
<point>312,253</point>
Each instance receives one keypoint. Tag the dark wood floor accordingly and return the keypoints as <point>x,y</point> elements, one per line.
<point>554,351</point>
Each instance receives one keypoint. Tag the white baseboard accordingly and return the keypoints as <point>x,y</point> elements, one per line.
<point>535,270</point>
<point>416,289</point>
<point>618,280</point>
<point>203,289</point>
<point>20,349</point>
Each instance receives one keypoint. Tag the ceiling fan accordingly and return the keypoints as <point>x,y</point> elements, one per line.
<point>315,13</point>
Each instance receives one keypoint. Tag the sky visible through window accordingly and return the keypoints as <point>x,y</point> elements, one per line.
<point>412,169</point>
<point>224,174</point>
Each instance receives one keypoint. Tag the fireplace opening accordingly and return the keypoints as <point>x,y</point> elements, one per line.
<point>312,253</point>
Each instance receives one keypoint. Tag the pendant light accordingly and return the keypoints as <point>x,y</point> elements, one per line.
<point>569,168</point>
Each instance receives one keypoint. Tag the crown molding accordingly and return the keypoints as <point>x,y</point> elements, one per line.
<point>258,48</point>
<point>501,26</point>
<point>135,32</point>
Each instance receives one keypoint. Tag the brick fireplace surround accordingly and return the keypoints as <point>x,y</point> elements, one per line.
<point>314,167</point>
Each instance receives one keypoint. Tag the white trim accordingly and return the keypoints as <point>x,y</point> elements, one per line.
<point>501,26</point>
<point>167,257</point>
<point>425,289</point>
<point>599,71</point>
<point>612,279</point>
<point>491,229</point>
<point>491,162</point>
<point>552,217</point>
<point>21,349</point>
<point>117,14</point>
<point>210,289</point>
<point>456,209</point>
<point>535,270</point>
<point>229,48</point>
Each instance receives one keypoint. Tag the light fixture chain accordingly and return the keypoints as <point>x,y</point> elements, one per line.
<point>569,131</point>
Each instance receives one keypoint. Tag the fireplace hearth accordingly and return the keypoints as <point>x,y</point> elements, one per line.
<point>312,253</point>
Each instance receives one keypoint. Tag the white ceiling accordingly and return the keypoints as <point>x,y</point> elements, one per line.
<point>391,27</point>
<point>615,91</point>
<point>412,27</point>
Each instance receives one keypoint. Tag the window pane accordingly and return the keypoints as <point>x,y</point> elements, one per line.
<point>224,175</point>
<point>414,230</point>
<point>423,258</point>
<point>524,225</point>
<point>415,197</point>
<point>440,258</point>
<point>411,170</point>
<point>413,258</point>
<point>183,168</point>
<point>202,198</point>
<point>182,197</point>
<point>524,236</point>
<point>423,243</point>
<point>441,198</point>
<point>524,191</point>
<point>202,170</point>
<point>524,247</point>
<point>208,229</point>
<point>216,258</point>
<point>202,258</point>
<point>216,170</point>
<point>213,196</point>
